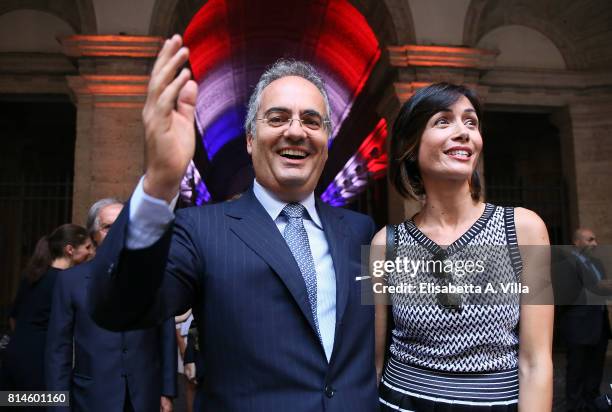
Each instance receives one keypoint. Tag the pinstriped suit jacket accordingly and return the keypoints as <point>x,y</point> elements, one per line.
<point>231,264</point>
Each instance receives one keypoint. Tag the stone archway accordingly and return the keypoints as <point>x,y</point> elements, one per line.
<point>581,31</point>
<point>79,14</point>
<point>576,97</point>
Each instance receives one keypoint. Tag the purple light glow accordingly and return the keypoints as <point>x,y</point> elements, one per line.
<point>216,94</point>
<point>348,183</point>
<point>369,163</point>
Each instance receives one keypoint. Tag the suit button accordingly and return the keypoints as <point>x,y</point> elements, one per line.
<point>329,391</point>
<point>124,350</point>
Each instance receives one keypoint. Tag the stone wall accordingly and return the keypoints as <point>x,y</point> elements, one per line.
<point>109,93</point>
<point>592,130</point>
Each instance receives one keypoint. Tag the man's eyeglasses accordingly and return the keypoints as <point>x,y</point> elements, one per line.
<point>309,121</point>
<point>451,301</point>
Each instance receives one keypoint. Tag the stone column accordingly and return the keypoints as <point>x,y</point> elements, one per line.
<point>419,66</point>
<point>592,130</point>
<point>109,94</point>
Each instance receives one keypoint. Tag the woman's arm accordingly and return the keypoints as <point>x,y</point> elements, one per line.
<point>377,253</point>
<point>536,316</point>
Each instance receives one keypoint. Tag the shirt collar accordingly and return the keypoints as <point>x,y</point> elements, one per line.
<point>274,206</point>
<point>580,255</point>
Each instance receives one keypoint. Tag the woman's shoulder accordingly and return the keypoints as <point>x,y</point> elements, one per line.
<point>527,218</point>
<point>522,216</point>
<point>530,228</point>
<point>380,238</point>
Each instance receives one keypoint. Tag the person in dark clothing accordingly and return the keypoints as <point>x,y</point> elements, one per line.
<point>269,276</point>
<point>112,371</point>
<point>23,367</point>
<point>584,324</point>
<point>194,365</point>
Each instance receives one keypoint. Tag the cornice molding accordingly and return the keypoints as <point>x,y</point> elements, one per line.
<point>418,66</point>
<point>117,90</point>
<point>412,55</point>
<point>111,46</point>
<point>405,90</point>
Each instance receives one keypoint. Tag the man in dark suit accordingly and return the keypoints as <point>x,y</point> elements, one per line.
<point>113,371</point>
<point>270,276</point>
<point>584,321</point>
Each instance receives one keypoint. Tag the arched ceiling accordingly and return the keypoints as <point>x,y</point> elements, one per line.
<point>79,14</point>
<point>521,46</point>
<point>581,30</point>
<point>31,31</point>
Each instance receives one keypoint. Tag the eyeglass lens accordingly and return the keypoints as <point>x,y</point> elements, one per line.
<point>311,121</point>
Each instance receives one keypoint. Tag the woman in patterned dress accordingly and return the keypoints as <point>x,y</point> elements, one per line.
<point>458,351</point>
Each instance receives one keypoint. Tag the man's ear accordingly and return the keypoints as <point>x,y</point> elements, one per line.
<point>249,142</point>
<point>68,250</point>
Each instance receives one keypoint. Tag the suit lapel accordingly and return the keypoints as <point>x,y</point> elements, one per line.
<point>253,225</point>
<point>338,239</point>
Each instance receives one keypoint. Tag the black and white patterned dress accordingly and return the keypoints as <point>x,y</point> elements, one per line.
<point>456,359</point>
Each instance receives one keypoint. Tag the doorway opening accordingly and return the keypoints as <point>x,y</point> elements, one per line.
<point>36,174</point>
<point>523,166</point>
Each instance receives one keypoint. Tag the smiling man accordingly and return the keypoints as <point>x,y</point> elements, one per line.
<point>270,276</point>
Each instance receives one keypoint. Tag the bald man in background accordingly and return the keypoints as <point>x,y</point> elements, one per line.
<point>584,324</point>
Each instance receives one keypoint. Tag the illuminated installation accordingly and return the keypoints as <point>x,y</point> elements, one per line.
<point>232,42</point>
<point>369,163</point>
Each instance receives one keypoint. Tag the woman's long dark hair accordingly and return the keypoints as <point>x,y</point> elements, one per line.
<point>51,247</point>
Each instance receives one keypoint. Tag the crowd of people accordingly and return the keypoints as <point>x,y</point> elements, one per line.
<point>268,278</point>
<point>57,346</point>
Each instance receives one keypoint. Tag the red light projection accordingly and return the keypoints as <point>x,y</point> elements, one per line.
<point>369,163</point>
<point>347,44</point>
<point>207,37</point>
<point>373,150</point>
<point>244,37</point>
<point>231,42</point>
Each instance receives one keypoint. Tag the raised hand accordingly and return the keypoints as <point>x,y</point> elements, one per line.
<point>168,120</point>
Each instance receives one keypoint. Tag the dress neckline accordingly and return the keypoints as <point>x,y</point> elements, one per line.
<point>459,243</point>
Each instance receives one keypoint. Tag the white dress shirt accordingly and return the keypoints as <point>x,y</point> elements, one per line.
<point>149,218</point>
